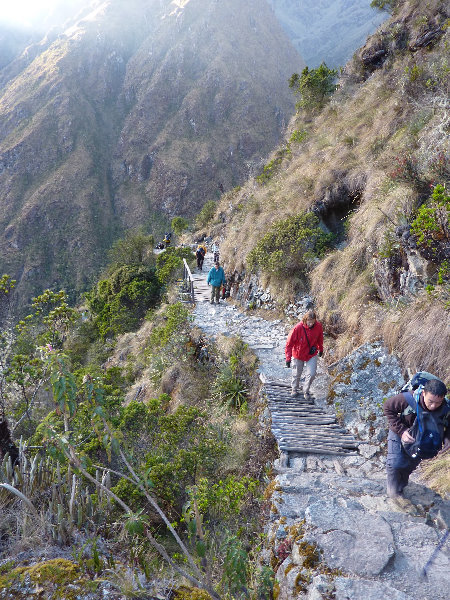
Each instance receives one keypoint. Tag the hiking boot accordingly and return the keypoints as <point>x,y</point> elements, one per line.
<point>212,301</point>
<point>307,395</point>
<point>294,394</point>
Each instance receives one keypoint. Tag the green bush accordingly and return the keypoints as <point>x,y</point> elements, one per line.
<point>387,5</point>
<point>136,248</point>
<point>272,167</point>
<point>206,214</point>
<point>299,135</point>
<point>121,301</point>
<point>184,447</point>
<point>314,86</point>
<point>432,222</point>
<point>169,264</point>
<point>179,224</point>
<point>290,247</point>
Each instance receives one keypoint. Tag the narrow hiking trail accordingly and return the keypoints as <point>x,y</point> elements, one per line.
<point>331,487</point>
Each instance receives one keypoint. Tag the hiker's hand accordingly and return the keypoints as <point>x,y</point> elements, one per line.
<point>321,354</point>
<point>407,437</point>
<point>288,364</point>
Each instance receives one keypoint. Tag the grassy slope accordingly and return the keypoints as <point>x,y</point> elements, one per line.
<point>353,144</point>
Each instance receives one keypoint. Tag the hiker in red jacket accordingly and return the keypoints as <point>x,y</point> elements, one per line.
<point>304,344</point>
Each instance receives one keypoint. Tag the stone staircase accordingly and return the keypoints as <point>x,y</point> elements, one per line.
<point>329,492</point>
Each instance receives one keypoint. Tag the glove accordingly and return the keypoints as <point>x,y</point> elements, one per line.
<point>288,364</point>
<point>321,353</point>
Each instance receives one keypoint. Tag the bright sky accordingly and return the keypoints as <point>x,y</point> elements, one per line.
<point>23,11</point>
<point>27,12</point>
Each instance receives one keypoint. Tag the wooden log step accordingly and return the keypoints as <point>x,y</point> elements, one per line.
<point>302,435</point>
<point>316,436</point>
<point>315,443</point>
<point>312,420</point>
<point>315,450</point>
<point>299,411</point>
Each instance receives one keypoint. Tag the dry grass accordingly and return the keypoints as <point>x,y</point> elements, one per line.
<point>356,141</point>
<point>420,333</point>
<point>436,473</point>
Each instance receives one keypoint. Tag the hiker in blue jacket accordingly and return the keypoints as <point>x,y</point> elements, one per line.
<point>403,457</point>
<point>216,278</point>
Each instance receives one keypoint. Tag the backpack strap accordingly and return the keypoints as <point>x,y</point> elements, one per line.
<point>412,404</point>
<point>306,335</point>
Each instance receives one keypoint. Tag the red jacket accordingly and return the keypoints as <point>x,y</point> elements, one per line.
<point>297,344</point>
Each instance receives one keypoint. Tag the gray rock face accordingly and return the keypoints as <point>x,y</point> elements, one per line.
<point>351,539</point>
<point>352,589</point>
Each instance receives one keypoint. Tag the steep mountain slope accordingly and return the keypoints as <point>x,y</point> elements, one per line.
<point>365,166</point>
<point>327,31</point>
<point>134,113</point>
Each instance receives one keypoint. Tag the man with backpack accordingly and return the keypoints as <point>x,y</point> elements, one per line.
<point>418,428</point>
<point>200,255</point>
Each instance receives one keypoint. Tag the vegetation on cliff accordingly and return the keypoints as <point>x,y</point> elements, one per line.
<point>372,166</point>
<point>138,441</point>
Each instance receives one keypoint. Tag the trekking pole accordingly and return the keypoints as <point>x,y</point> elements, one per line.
<point>435,553</point>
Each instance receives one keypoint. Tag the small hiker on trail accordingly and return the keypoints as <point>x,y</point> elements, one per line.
<point>304,344</point>
<point>216,278</point>
<point>200,255</point>
<point>167,238</point>
<point>418,429</point>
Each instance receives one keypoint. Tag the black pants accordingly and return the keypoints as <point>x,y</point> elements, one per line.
<point>399,466</point>
<point>200,260</point>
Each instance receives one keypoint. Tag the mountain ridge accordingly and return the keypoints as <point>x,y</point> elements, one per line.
<point>117,124</point>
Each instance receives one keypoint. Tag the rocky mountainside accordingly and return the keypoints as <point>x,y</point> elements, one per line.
<point>129,114</point>
<point>373,167</point>
<point>327,31</point>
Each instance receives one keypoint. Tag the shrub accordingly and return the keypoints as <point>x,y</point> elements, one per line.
<point>169,264</point>
<point>206,214</point>
<point>136,248</point>
<point>121,301</point>
<point>272,167</point>
<point>179,224</point>
<point>406,169</point>
<point>314,86</point>
<point>299,135</point>
<point>184,447</point>
<point>290,247</point>
<point>432,222</point>
<point>387,5</point>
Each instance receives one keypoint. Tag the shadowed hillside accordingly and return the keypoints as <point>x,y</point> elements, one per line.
<point>131,114</point>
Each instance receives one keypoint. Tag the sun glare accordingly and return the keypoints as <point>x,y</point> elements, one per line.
<point>25,12</point>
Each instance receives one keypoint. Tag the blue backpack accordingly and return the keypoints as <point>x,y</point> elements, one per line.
<point>428,427</point>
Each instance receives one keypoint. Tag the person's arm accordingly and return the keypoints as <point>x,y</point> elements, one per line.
<point>292,337</point>
<point>393,409</point>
